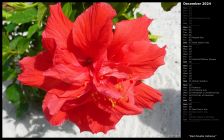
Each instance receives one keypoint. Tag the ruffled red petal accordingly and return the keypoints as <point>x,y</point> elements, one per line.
<point>51,108</point>
<point>92,32</point>
<point>90,118</point>
<point>69,74</point>
<point>49,45</point>
<point>146,96</point>
<point>34,67</point>
<point>142,58</point>
<point>126,32</point>
<point>63,56</point>
<point>58,26</point>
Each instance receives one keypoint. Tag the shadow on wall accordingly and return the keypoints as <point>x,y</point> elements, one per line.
<point>165,117</point>
<point>35,123</point>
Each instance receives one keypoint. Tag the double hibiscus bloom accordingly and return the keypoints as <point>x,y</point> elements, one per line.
<point>91,73</point>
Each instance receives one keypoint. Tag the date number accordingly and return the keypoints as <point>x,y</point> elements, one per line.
<point>206,3</point>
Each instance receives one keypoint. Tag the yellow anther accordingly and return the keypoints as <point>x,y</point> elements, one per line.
<point>113,103</point>
<point>119,86</point>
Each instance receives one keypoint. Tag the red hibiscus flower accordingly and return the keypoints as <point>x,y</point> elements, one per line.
<point>92,74</point>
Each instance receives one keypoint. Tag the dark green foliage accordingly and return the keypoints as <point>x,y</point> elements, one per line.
<point>167,6</point>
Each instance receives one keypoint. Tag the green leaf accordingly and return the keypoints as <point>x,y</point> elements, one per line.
<point>78,7</point>
<point>20,17</point>
<point>33,93</point>
<point>41,12</point>
<point>22,45</point>
<point>8,74</point>
<point>125,10</point>
<point>19,45</point>
<point>5,42</point>
<point>32,29</point>
<point>21,108</point>
<point>14,42</point>
<point>133,6</point>
<point>5,59</point>
<point>5,50</point>
<point>153,38</point>
<point>67,9</point>
<point>167,6</point>
<point>10,27</point>
<point>126,16</point>
<point>21,5</point>
<point>6,14</point>
<point>73,15</point>
<point>31,90</point>
<point>120,7</point>
<point>13,92</point>
<point>138,14</point>
<point>115,20</point>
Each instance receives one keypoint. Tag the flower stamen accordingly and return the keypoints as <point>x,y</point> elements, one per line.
<point>119,87</point>
<point>113,103</point>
